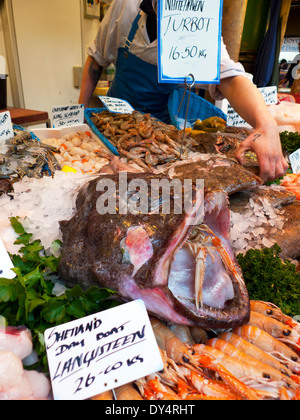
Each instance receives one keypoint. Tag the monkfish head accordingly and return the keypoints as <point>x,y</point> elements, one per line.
<point>178,260</point>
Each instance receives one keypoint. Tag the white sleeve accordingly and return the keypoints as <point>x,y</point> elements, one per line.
<point>229,68</point>
<point>113,32</point>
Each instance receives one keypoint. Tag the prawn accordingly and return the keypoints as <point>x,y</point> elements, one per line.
<point>152,389</point>
<point>208,387</point>
<point>175,349</point>
<point>271,310</point>
<point>183,333</point>
<point>267,371</point>
<point>227,368</point>
<point>277,329</point>
<point>243,378</point>
<point>170,374</point>
<point>255,352</point>
<point>167,381</point>
<point>269,344</point>
<point>199,386</point>
<point>199,335</point>
<point>135,159</point>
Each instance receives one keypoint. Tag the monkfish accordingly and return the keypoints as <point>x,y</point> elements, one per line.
<point>180,263</point>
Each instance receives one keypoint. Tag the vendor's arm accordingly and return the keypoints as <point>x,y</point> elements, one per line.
<point>248,102</point>
<point>91,75</point>
<point>103,51</point>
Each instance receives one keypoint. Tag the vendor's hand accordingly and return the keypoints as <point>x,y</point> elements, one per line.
<point>267,146</point>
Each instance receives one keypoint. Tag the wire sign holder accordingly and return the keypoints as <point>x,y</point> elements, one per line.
<point>188,86</point>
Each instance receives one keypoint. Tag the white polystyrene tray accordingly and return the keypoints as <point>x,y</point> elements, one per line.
<point>49,133</point>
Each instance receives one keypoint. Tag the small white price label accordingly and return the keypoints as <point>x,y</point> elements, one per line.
<point>116,105</point>
<point>6,264</point>
<point>6,128</point>
<point>68,115</point>
<point>270,96</point>
<point>101,352</point>
<point>295,161</point>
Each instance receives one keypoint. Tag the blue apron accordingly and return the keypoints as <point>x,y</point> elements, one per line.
<point>136,81</point>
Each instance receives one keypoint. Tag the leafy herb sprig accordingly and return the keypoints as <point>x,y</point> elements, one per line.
<point>271,279</point>
<point>290,141</point>
<point>28,299</point>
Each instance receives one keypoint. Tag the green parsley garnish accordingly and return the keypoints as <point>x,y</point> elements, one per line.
<point>28,299</point>
<point>271,279</point>
<point>290,141</point>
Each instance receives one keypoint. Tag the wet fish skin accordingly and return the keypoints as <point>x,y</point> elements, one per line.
<point>5,186</point>
<point>93,254</point>
<point>218,172</point>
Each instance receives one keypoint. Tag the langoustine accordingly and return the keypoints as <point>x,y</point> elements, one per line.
<point>187,357</point>
<point>227,367</point>
<point>262,370</point>
<point>273,311</point>
<point>255,352</point>
<point>271,345</point>
<point>281,331</point>
<point>180,380</point>
<point>243,366</point>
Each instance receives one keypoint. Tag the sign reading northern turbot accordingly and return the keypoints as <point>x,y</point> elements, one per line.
<point>189,40</point>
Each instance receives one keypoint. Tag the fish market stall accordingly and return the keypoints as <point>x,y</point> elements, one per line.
<point>72,261</point>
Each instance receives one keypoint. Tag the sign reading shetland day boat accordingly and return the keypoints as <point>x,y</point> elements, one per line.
<point>102,351</point>
<point>189,40</point>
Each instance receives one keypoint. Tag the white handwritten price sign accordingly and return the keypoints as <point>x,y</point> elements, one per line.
<point>6,128</point>
<point>189,40</point>
<point>270,95</point>
<point>65,116</point>
<point>101,352</point>
<point>116,105</point>
<point>5,264</point>
<point>295,161</point>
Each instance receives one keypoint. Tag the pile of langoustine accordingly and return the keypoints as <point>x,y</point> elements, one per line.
<point>258,361</point>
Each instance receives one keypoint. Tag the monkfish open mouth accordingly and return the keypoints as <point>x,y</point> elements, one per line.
<point>202,270</point>
<point>202,273</point>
